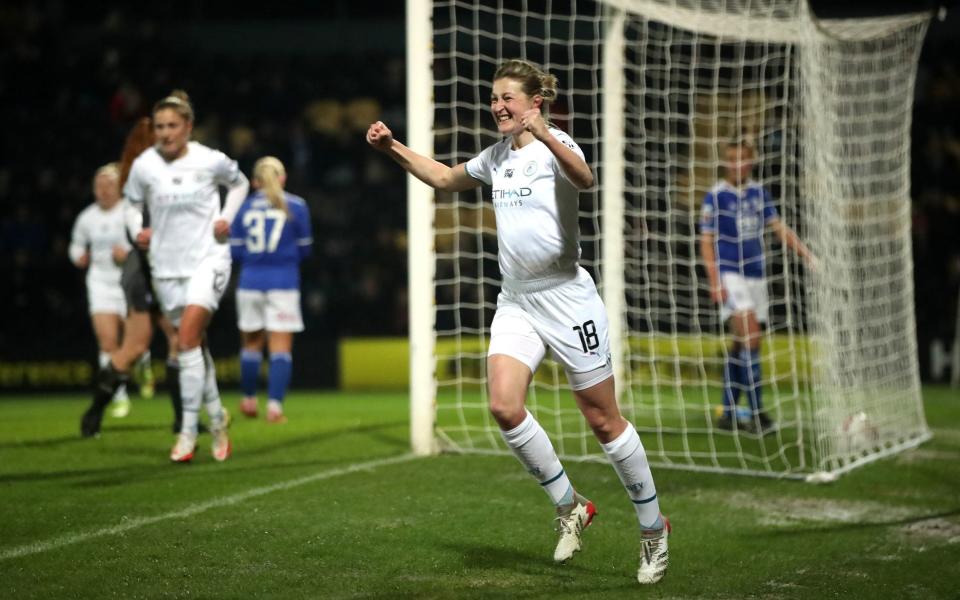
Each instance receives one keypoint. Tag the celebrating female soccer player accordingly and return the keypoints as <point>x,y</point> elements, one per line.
<point>177,180</point>
<point>269,237</point>
<point>99,244</point>
<point>735,213</point>
<point>547,301</point>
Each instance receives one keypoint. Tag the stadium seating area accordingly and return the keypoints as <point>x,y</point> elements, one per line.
<point>80,86</point>
<point>73,86</point>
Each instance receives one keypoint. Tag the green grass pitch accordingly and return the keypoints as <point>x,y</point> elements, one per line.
<point>331,506</point>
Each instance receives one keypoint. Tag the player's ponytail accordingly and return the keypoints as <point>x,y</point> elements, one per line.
<point>139,139</point>
<point>269,176</point>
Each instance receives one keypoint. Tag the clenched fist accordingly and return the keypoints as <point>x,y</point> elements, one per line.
<point>379,136</point>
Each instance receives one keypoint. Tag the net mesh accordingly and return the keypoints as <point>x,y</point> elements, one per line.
<point>827,107</point>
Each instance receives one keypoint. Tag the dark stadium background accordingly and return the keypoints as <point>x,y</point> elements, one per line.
<point>301,80</point>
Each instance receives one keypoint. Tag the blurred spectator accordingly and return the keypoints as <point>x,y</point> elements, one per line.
<point>81,73</point>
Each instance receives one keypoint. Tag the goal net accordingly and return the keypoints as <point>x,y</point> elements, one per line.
<point>651,90</point>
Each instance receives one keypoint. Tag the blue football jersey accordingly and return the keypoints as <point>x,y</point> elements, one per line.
<point>737,218</point>
<point>269,243</point>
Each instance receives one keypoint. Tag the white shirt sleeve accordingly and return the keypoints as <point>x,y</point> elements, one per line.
<point>478,167</point>
<point>132,218</point>
<point>236,194</point>
<point>567,141</point>
<point>226,171</point>
<point>79,239</point>
<point>134,189</point>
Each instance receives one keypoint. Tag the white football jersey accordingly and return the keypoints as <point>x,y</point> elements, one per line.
<point>536,207</point>
<point>183,200</point>
<point>98,231</point>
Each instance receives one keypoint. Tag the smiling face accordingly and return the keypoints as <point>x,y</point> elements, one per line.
<point>172,132</point>
<point>508,102</point>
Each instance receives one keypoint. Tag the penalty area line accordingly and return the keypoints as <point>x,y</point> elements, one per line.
<point>195,509</point>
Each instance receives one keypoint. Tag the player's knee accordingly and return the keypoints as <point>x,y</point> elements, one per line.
<point>605,427</point>
<point>187,340</point>
<point>507,411</point>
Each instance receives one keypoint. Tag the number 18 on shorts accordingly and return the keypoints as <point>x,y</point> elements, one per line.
<point>569,319</point>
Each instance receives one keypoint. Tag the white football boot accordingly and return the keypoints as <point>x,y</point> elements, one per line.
<point>221,447</point>
<point>120,407</point>
<point>572,519</point>
<point>653,553</point>
<point>184,448</point>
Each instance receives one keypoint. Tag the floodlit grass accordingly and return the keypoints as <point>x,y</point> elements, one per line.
<point>328,506</point>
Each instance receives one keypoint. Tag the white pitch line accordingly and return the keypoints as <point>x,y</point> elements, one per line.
<point>127,525</point>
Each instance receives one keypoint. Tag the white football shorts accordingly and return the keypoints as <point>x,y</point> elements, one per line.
<point>204,288</point>
<point>273,310</point>
<point>106,298</point>
<point>744,294</point>
<point>569,319</point>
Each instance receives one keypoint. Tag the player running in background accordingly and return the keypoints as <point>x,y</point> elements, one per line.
<point>736,211</point>
<point>142,312</point>
<point>177,181</point>
<point>99,244</point>
<point>547,301</point>
<point>270,236</point>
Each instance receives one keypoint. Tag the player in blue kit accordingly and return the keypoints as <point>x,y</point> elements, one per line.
<point>736,212</point>
<point>269,238</point>
<point>548,302</point>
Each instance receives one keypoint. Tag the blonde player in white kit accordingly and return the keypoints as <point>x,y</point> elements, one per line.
<point>177,180</point>
<point>98,243</point>
<point>547,301</point>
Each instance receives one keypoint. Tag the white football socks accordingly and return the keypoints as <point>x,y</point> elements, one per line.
<point>192,383</point>
<point>532,447</point>
<point>629,459</point>
<point>211,393</point>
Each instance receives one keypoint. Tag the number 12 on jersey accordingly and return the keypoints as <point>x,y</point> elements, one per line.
<point>259,239</point>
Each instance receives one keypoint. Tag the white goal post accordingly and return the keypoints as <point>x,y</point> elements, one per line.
<point>651,90</point>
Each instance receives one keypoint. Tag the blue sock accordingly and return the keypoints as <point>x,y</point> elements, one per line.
<point>250,371</point>
<point>281,366</point>
<point>732,383</point>
<point>752,378</point>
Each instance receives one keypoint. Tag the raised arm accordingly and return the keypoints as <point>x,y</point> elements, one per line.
<point>435,174</point>
<point>575,168</point>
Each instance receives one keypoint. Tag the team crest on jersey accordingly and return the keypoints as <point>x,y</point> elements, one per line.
<point>220,281</point>
<point>177,180</point>
<point>530,168</point>
<point>508,173</point>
